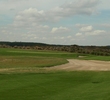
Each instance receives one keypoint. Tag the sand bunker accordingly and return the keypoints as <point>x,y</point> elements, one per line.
<point>92,65</point>
<point>73,65</point>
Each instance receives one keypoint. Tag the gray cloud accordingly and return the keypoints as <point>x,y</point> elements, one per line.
<point>78,7</point>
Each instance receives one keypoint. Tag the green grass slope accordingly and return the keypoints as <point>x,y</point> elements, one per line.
<point>55,86</point>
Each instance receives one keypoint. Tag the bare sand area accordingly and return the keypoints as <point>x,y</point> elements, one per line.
<point>73,65</point>
<point>84,65</point>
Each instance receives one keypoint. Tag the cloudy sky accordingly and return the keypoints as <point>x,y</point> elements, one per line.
<point>82,22</point>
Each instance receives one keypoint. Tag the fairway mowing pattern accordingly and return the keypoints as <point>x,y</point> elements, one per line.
<point>55,86</point>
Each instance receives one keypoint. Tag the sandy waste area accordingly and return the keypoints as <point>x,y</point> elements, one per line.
<point>92,65</point>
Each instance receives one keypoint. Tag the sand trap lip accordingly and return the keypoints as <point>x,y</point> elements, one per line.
<point>84,65</point>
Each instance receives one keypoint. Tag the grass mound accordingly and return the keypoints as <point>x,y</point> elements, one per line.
<point>25,62</point>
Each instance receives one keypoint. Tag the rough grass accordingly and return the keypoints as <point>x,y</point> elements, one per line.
<point>55,86</point>
<point>27,59</point>
<point>22,61</point>
<point>17,52</point>
<point>15,58</point>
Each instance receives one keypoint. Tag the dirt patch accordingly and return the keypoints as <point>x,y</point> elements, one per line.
<point>7,69</point>
<point>75,65</point>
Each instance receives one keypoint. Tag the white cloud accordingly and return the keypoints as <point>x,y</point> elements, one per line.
<point>28,16</point>
<point>69,37</point>
<point>96,32</point>
<point>79,34</point>
<point>62,38</point>
<point>87,31</point>
<point>86,28</point>
<point>60,30</point>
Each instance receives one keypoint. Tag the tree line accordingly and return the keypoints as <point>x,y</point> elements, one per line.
<point>94,50</point>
